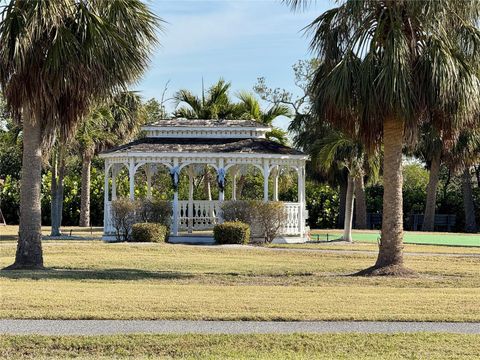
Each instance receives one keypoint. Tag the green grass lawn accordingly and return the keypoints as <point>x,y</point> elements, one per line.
<point>95,280</point>
<point>410,237</point>
<point>296,346</point>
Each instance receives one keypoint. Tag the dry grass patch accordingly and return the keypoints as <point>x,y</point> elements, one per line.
<point>296,346</point>
<point>160,281</point>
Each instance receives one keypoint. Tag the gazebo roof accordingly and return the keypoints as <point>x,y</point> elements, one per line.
<point>211,123</point>
<point>203,145</point>
<point>235,138</point>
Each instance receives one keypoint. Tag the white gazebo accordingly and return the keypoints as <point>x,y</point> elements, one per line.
<point>226,146</point>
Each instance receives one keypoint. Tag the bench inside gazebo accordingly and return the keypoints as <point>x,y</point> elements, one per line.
<point>181,146</point>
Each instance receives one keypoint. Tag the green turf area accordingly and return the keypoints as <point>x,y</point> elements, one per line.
<point>95,280</point>
<point>410,237</point>
<point>296,346</point>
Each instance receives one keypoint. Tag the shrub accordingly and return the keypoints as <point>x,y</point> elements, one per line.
<point>123,217</point>
<point>233,232</point>
<point>270,216</point>
<point>149,232</point>
<point>265,218</point>
<point>237,210</point>
<point>156,211</point>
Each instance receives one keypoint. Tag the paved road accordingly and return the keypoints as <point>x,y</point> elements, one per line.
<point>105,327</point>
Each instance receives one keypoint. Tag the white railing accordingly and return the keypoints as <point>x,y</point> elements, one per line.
<point>292,224</point>
<point>205,214</point>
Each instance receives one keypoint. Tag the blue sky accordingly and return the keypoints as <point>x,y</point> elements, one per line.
<point>239,40</point>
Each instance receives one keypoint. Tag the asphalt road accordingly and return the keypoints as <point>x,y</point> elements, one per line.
<point>110,327</point>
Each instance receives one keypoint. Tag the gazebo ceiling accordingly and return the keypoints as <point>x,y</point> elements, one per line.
<point>204,145</point>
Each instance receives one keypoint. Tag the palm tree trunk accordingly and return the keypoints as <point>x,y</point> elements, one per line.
<point>430,205</point>
<point>61,177</point>
<point>361,203</point>
<point>477,174</point>
<point>469,206</point>
<point>53,194</point>
<point>347,225</point>
<point>58,175</point>
<point>29,248</point>
<point>240,185</point>
<point>85,195</point>
<point>390,255</point>
<point>342,202</point>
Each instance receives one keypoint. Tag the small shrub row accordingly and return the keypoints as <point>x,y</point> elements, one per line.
<point>149,232</point>
<point>234,232</point>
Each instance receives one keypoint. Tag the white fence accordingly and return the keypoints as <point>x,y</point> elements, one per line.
<point>205,214</point>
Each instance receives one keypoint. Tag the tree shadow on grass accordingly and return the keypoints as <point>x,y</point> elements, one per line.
<point>95,274</point>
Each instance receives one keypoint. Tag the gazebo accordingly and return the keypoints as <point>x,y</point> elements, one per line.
<point>226,146</point>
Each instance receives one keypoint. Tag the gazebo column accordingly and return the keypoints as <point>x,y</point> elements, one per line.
<point>149,181</point>
<point>114,181</point>
<point>131,176</point>
<point>190,198</point>
<point>275,183</point>
<point>175,173</point>
<point>106,204</point>
<point>234,182</point>
<point>301,200</point>
<point>221,187</point>
<point>266,174</point>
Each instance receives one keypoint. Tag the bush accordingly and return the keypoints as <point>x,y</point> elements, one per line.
<point>234,232</point>
<point>123,217</point>
<point>265,218</point>
<point>156,211</point>
<point>270,216</point>
<point>149,232</point>
<point>238,210</point>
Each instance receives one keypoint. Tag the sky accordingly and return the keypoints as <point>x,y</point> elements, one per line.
<point>239,40</point>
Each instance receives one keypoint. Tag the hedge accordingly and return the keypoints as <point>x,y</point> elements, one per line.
<point>234,232</point>
<point>149,232</point>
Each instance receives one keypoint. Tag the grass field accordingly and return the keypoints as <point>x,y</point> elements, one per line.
<point>10,232</point>
<point>94,280</point>
<point>297,346</point>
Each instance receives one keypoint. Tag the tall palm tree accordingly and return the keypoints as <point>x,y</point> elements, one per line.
<point>430,149</point>
<point>107,125</point>
<point>56,59</point>
<point>404,61</point>
<point>460,158</point>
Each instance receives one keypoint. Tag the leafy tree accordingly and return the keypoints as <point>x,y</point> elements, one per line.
<point>57,58</point>
<point>405,62</point>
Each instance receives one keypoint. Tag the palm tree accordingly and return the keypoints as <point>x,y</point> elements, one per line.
<point>430,150</point>
<point>56,59</point>
<point>106,126</point>
<point>404,62</point>
<point>250,108</point>
<point>337,148</point>
<point>215,104</point>
<point>460,159</point>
